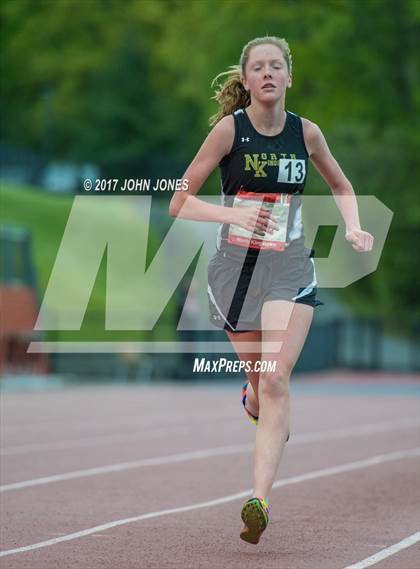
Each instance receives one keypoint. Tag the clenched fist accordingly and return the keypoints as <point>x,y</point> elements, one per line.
<point>360,240</point>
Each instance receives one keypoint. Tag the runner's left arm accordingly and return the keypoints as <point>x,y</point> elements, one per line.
<point>341,188</point>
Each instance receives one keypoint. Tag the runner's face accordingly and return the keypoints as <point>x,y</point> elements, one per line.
<point>266,65</point>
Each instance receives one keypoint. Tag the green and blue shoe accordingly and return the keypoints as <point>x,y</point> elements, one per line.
<point>251,417</point>
<point>255,517</point>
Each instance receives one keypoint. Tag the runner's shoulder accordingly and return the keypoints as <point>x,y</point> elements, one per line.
<point>309,125</point>
<point>311,133</point>
<point>224,132</point>
<point>225,126</point>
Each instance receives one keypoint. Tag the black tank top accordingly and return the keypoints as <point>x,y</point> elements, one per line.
<point>270,169</point>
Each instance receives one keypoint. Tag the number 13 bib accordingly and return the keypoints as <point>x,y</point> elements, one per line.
<point>291,171</point>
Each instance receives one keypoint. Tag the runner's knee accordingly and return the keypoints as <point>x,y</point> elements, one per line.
<point>274,383</point>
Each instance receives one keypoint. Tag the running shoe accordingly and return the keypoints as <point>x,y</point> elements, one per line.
<point>255,517</point>
<point>253,419</point>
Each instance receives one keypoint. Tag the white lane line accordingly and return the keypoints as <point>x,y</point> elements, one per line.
<point>159,460</point>
<point>374,460</point>
<point>76,426</point>
<point>87,442</point>
<point>96,423</point>
<point>384,553</point>
<point>179,429</point>
<point>194,455</point>
<point>189,428</point>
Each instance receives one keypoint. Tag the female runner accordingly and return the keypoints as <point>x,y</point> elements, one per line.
<point>262,282</point>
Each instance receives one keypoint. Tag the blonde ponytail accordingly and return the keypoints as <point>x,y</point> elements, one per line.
<point>231,96</point>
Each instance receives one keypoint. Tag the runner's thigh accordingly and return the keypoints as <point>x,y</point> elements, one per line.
<point>237,339</point>
<point>284,328</point>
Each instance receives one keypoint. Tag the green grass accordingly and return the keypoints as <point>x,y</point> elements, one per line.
<point>46,216</point>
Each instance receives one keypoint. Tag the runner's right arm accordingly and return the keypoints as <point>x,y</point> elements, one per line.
<point>185,205</point>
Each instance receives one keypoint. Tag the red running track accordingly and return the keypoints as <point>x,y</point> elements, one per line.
<point>154,477</point>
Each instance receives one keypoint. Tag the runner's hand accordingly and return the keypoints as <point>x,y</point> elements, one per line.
<point>360,240</point>
<point>254,218</point>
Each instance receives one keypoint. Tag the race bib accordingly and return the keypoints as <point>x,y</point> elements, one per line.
<point>291,171</point>
<point>279,204</point>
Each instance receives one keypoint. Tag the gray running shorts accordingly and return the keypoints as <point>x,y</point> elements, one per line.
<point>239,282</point>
